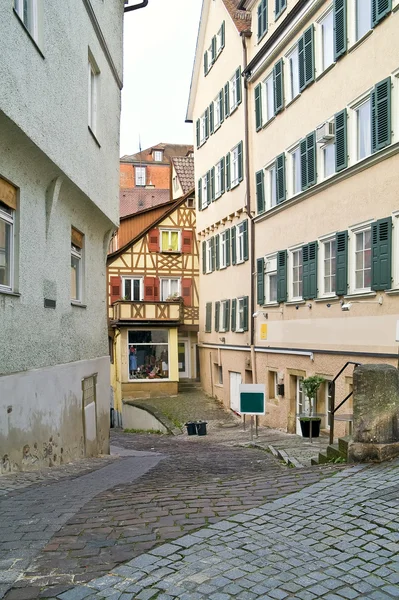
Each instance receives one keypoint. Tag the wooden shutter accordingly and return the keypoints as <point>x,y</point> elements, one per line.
<point>150,289</point>
<point>311,158</point>
<point>260,20</point>
<point>260,191</point>
<point>282,276</point>
<point>341,140</point>
<point>8,195</point>
<point>208,188</point>
<point>245,239</point>
<point>199,201</point>
<point>227,247</point>
<point>187,241</point>
<point>260,280</point>
<point>212,245</point>
<point>115,289</point>
<point>226,316</point>
<point>245,327</point>
<point>280,178</point>
<point>240,162</point>
<point>208,317</point>
<point>228,182</point>
<point>304,162</point>
<point>204,257</point>
<point>205,63</point>
<point>198,132</point>
<point>233,245</point>
<point>226,100</point>
<point>212,184</point>
<point>381,252</point>
<point>278,85</point>
<point>238,85</point>
<point>153,240</point>
<point>341,261</point>
<point>221,106</point>
<point>306,58</point>
<point>187,291</point>
<point>223,35</point>
<point>309,271</point>
<point>340,28</point>
<point>379,10</point>
<point>381,115</point>
<point>258,107</point>
<point>207,123</point>
<point>301,61</point>
<point>233,314</point>
<point>217,252</point>
<point>217,315</point>
<point>222,176</point>
<point>211,118</point>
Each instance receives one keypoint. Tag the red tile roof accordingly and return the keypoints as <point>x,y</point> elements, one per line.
<point>241,18</point>
<point>169,151</point>
<point>184,167</point>
<point>135,200</point>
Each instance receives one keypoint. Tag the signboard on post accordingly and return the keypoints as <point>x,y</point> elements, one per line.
<point>252,399</point>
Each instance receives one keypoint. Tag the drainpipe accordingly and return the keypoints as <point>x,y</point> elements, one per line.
<point>142,4</point>
<point>244,35</point>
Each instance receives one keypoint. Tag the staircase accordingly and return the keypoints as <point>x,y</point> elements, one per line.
<point>333,452</point>
<point>188,386</point>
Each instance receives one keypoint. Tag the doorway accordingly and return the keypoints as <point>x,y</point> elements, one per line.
<point>183,353</point>
<point>235,382</point>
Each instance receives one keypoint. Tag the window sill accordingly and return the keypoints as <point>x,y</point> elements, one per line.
<point>278,15</point>
<point>269,122</point>
<point>218,385</point>
<point>293,100</point>
<point>326,70</point>
<point>365,294</point>
<point>262,36</point>
<point>28,33</point>
<point>360,41</point>
<point>170,252</point>
<point>295,302</point>
<point>93,135</point>
<point>78,304</point>
<point>270,304</point>
<point>233,109</point>
<point>234,185</point>
<point>10,293</point>
<point>393,292</point>
<point>326,298</point>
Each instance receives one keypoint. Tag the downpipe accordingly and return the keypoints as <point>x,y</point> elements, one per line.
<point>142,4</point>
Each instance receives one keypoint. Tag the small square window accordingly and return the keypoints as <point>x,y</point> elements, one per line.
<point>158,155</point>
<point>170,240</point>
<point>170,288</point>
<point>133,289</point>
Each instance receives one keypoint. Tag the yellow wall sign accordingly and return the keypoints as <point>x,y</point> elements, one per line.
<point>263,331</point>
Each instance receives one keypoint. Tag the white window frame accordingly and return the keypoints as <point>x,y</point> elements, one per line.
<point>271,185</point>
<point>169,231</point>
<point>290,174</point>
<point>8,216</point>
<point>175,183</point>
<point>223,250</point>
<point>321,150</point>
<point>353,127</point>
<point>321,266</point>
<point>132,279</point>
<point>33,8</point>
<point>168,281</point>
<point>202,129</point>
<point>240,243</point>
<point>140,176</point>
<point>266,101</point>
<point>240,314</point>
<point>288,79</point>
<point>204,191</point>
<point>219,46</point>
<point>291,253</point>
<point>234,168</point>
<point>208,256</point>
<point>78,254</point>
<point>352,23</point>
<point>218,179</point>
<point>270,271</point>
<point>158,155</point>
<point>395,250</point>
<point>217,113</point>
<point>93,93</point>
<point>320,58</point>
<point>223,307</point>
<point>361,228</point>
<point>233,95</point>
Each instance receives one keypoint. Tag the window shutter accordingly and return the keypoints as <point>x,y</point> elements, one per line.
<point>381,241</point>
<point>213,49</point>
<point>153,240</point>
<point>258,107</point>
<point>198,132</point>
<point>245,239</point>
<point>211,118</point>
<point>115,289</point>
<point>199,203</point>
<point>217,315</point>
<point>280,6</point>
<point>226,100</point>
<point>208,317</point>
<point>187,287</point>
<point>228,182</point>
<point>222,176</point>
<point>227,247</point>
<point>204,257</point>
<point>233,314</point>
<point>380,8</point>
<point>341,140</point>
<point>207,123</point>
<point>217,251</point>
<point>212,183</point>
<point>301,61</point>
<point>260,191</point>
<point>205,63</point>
<point>226,316</point>
<point>240,162</point>
<point>304,162</point>
<point>238,85</point>
<point>212,244</point>
<point>260,280</point>
<point>340,28</point>
<point>221,106</point>
<point>306,58</point>
<point>233,245</point>
<point>187,241</point>
<point>260,19</point>
<point>156,289</point>
<point>208,188</point>
<point>309,271</point>
<point>278,85</point>
<point>245,328</point>
<point>280,178</point>
<point>223,34</point>
<point>311,158</point>
<point>341,275</point>
<point>282,276</point>
<point>381,115</point>
<point>149,289</point>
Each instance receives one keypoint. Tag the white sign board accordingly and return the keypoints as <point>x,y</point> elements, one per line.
<point>252,399</point>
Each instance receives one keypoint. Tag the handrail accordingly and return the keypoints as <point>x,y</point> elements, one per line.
<point>331,389</point>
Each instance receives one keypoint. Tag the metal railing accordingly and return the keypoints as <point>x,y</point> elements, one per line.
<point>331,389</point>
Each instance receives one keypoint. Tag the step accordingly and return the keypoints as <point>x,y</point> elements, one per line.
<point>343,444</point>
<point>334,452</point>
<point>322,459</point>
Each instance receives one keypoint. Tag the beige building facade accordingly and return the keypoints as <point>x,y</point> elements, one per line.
<point>322,80</point>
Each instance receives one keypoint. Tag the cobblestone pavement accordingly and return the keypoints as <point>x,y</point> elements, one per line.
<point>336,539</point>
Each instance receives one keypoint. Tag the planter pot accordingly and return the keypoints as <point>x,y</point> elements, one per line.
<point>305,427</point>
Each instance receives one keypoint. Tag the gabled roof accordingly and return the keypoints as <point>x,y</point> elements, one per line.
<point>138,237</point>
<point>134,200</point>
<point>241,18</point>
<point>184,167</point>
<point>169,151</point>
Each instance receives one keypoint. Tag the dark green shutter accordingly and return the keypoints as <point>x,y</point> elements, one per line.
<point>226,316</point>
<point>280,178</point>
<point>211,119</point>
<point>233,314</point>
<point>282,276</point>
<point>278,86</point>
<point>340,28</point>
<point>260,191</point>
<point>381,252</point>
<point>227,247</point>
<point>311,158</point>
<point>260,280</point>
<point>208,188</point>
<point>199,194</point>
<point>217,251</point>
<point>212,184</point>
<point>233,245</point>
<point>381,115</point>
<point>341,140</point>
<point>245,239</point>
<point>204,257</point>
<point>206,63</point>
<point>217,315</point>
<point>306,58</point>
<point>262,18</point>
<point>245,311</point>
<point>238,85</point>
<point>226,100</point>
<point>198,132</point>
<point>212,245</point>
<point>341,261</point>
<point>221,106</point>
<point>301,61</point>
<point>379,10</point>
<point>213,49</point>
<point>206,116</point>
<point>258,107</point>
<point>280,5</point>
<point>223,34</point>
<point>309,271</point>
<point>240,162</point>
<point>228,182</point>
<point>222,176</point>
<point>304,162</point>
<point>208,317</point>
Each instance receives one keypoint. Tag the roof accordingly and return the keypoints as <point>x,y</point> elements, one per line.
<point>169,151</point>
<point>241,18</point>
<point>134,200</point>
<point>184,167</point>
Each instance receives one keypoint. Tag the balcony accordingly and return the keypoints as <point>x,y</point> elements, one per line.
<point>147,311</point>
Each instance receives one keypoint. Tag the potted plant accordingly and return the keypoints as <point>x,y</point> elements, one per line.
<point>173,298</point>
<point>310,424</point>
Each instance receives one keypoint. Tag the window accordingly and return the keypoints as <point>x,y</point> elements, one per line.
<point>220,375</point>
<point>280,5</point>
<point>240,243</point>
<point>93,73</point>
<point>271,183</point>
<point>293,71</point>
<point>224,315</point>
<point>262,18</point>
<point>363,260</point>
<point>235,167</point>
<point>170,288</point>
<point>28,13</point>
<point>148,354</point>
<point>218,111</point>
<point>296,182</point>
<point>219,179</point>
<point>363,17</point>
<point>327,40</point>
<point>273,382</point>
<point>363,124</point>
<point>241,317</point>
<point>6,245</point>
<point>209,255</point>
<point>271,278</point>
<point>208,317</point>
<point>76,265</point>
<point>269,97</point>
<point>224,241</point>
<point>158,155</point>
<point>132,289</point>
<point>175,183</point>
<point>220,39</point>
<point>203,127</point>
<point>204,191</point>
<point>297,273</point>
<point>140,176</point>
<point>329,159</point>
<point>234,86</point>
<point>329,267</point>
<point>170,240</point>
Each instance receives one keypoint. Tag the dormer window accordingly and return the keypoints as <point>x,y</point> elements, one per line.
<point>158,155</point>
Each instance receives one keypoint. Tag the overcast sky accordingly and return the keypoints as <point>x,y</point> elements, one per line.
<point>159,51</point>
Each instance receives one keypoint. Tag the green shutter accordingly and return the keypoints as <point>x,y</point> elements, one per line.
<point>213,49</point>
<point>309,271</point>
<point>245,239</point>
<point>280,178</point>
<point>245,299</point>
<point>262,18</point>
<point>301,61</point>
<point>208,188</point>
<point>233,245</point>
<point>207,123</point>
<point>211,119</point>
<point>260,280</point>
<point>304,162</point>
<point>238,85</point>
<point>341,140</point>
<point>198,132</point>
<point>341,261</point>
<point>282,276</point>
<point>306,58</point>
<point>260,191</point>
<point>280,5</point>
<point>221,105</point>
<point>222,176</point>
<point>199,202</point>
<point>233,314</point>
<point>226,100</point>
<point>381,115</point>
<point>217,315</point>
<point>340,28</point>
<point>227,247</point>
<point>381,252</point>
<point>258,107</point>
<point>212,244</point>
<point>205,63</point>
<point>212,186</point>
<point>240,162</point>
<point>204,257</point>
<point>226,316</point>
<point>278,85</point>
<point>208,317</point>
<point>223,34</point>
<point>217,251</point>
<point>228,182</point>
<point>311,158</point>
<point>379,10</point>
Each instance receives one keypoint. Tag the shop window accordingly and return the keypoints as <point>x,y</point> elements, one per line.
<point>148,354</point>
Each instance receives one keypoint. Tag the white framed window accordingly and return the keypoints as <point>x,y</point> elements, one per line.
<point>158,155</point>
<point>170,288</point>
<point>175,183</point>
<point>363,128</point>
<point>296,274</point>
<point>240,314</point>
<point>223,249</point>
<point>77,247</point>
<point>235,177</point>
<point>148,354</point>
<point>271,278</point>
<point>218,179</point>
<point>217,112</point>
<point>224,315</point>
<point>293,73</point>
<point>294,171</point>
<point>219,41</point>
<point>240,241</point>
<point>271,186</point>
<point>268,98</point>
<point>140,176</point>
<point>170,240</point>
<point>362,18</point>
<point>27,10</point>
<point>395,250</point>
<point>132,289</point>
<point>326,29</point>
<point>204,193</point>
<point>209,256</point>
<point>327,266</point>
<point>93,93</point>
<point>328,152</point>
<point>233,91</point>
<point>202,128</point>
<point>360,276</point>
<point>7,218</point>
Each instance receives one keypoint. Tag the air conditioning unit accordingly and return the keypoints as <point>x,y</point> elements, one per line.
<point>325,133</point>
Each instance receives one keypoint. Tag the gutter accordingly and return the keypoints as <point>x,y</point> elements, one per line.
<point>142,4</point>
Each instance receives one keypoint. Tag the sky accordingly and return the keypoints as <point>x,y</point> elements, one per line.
<point>159,46</point>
